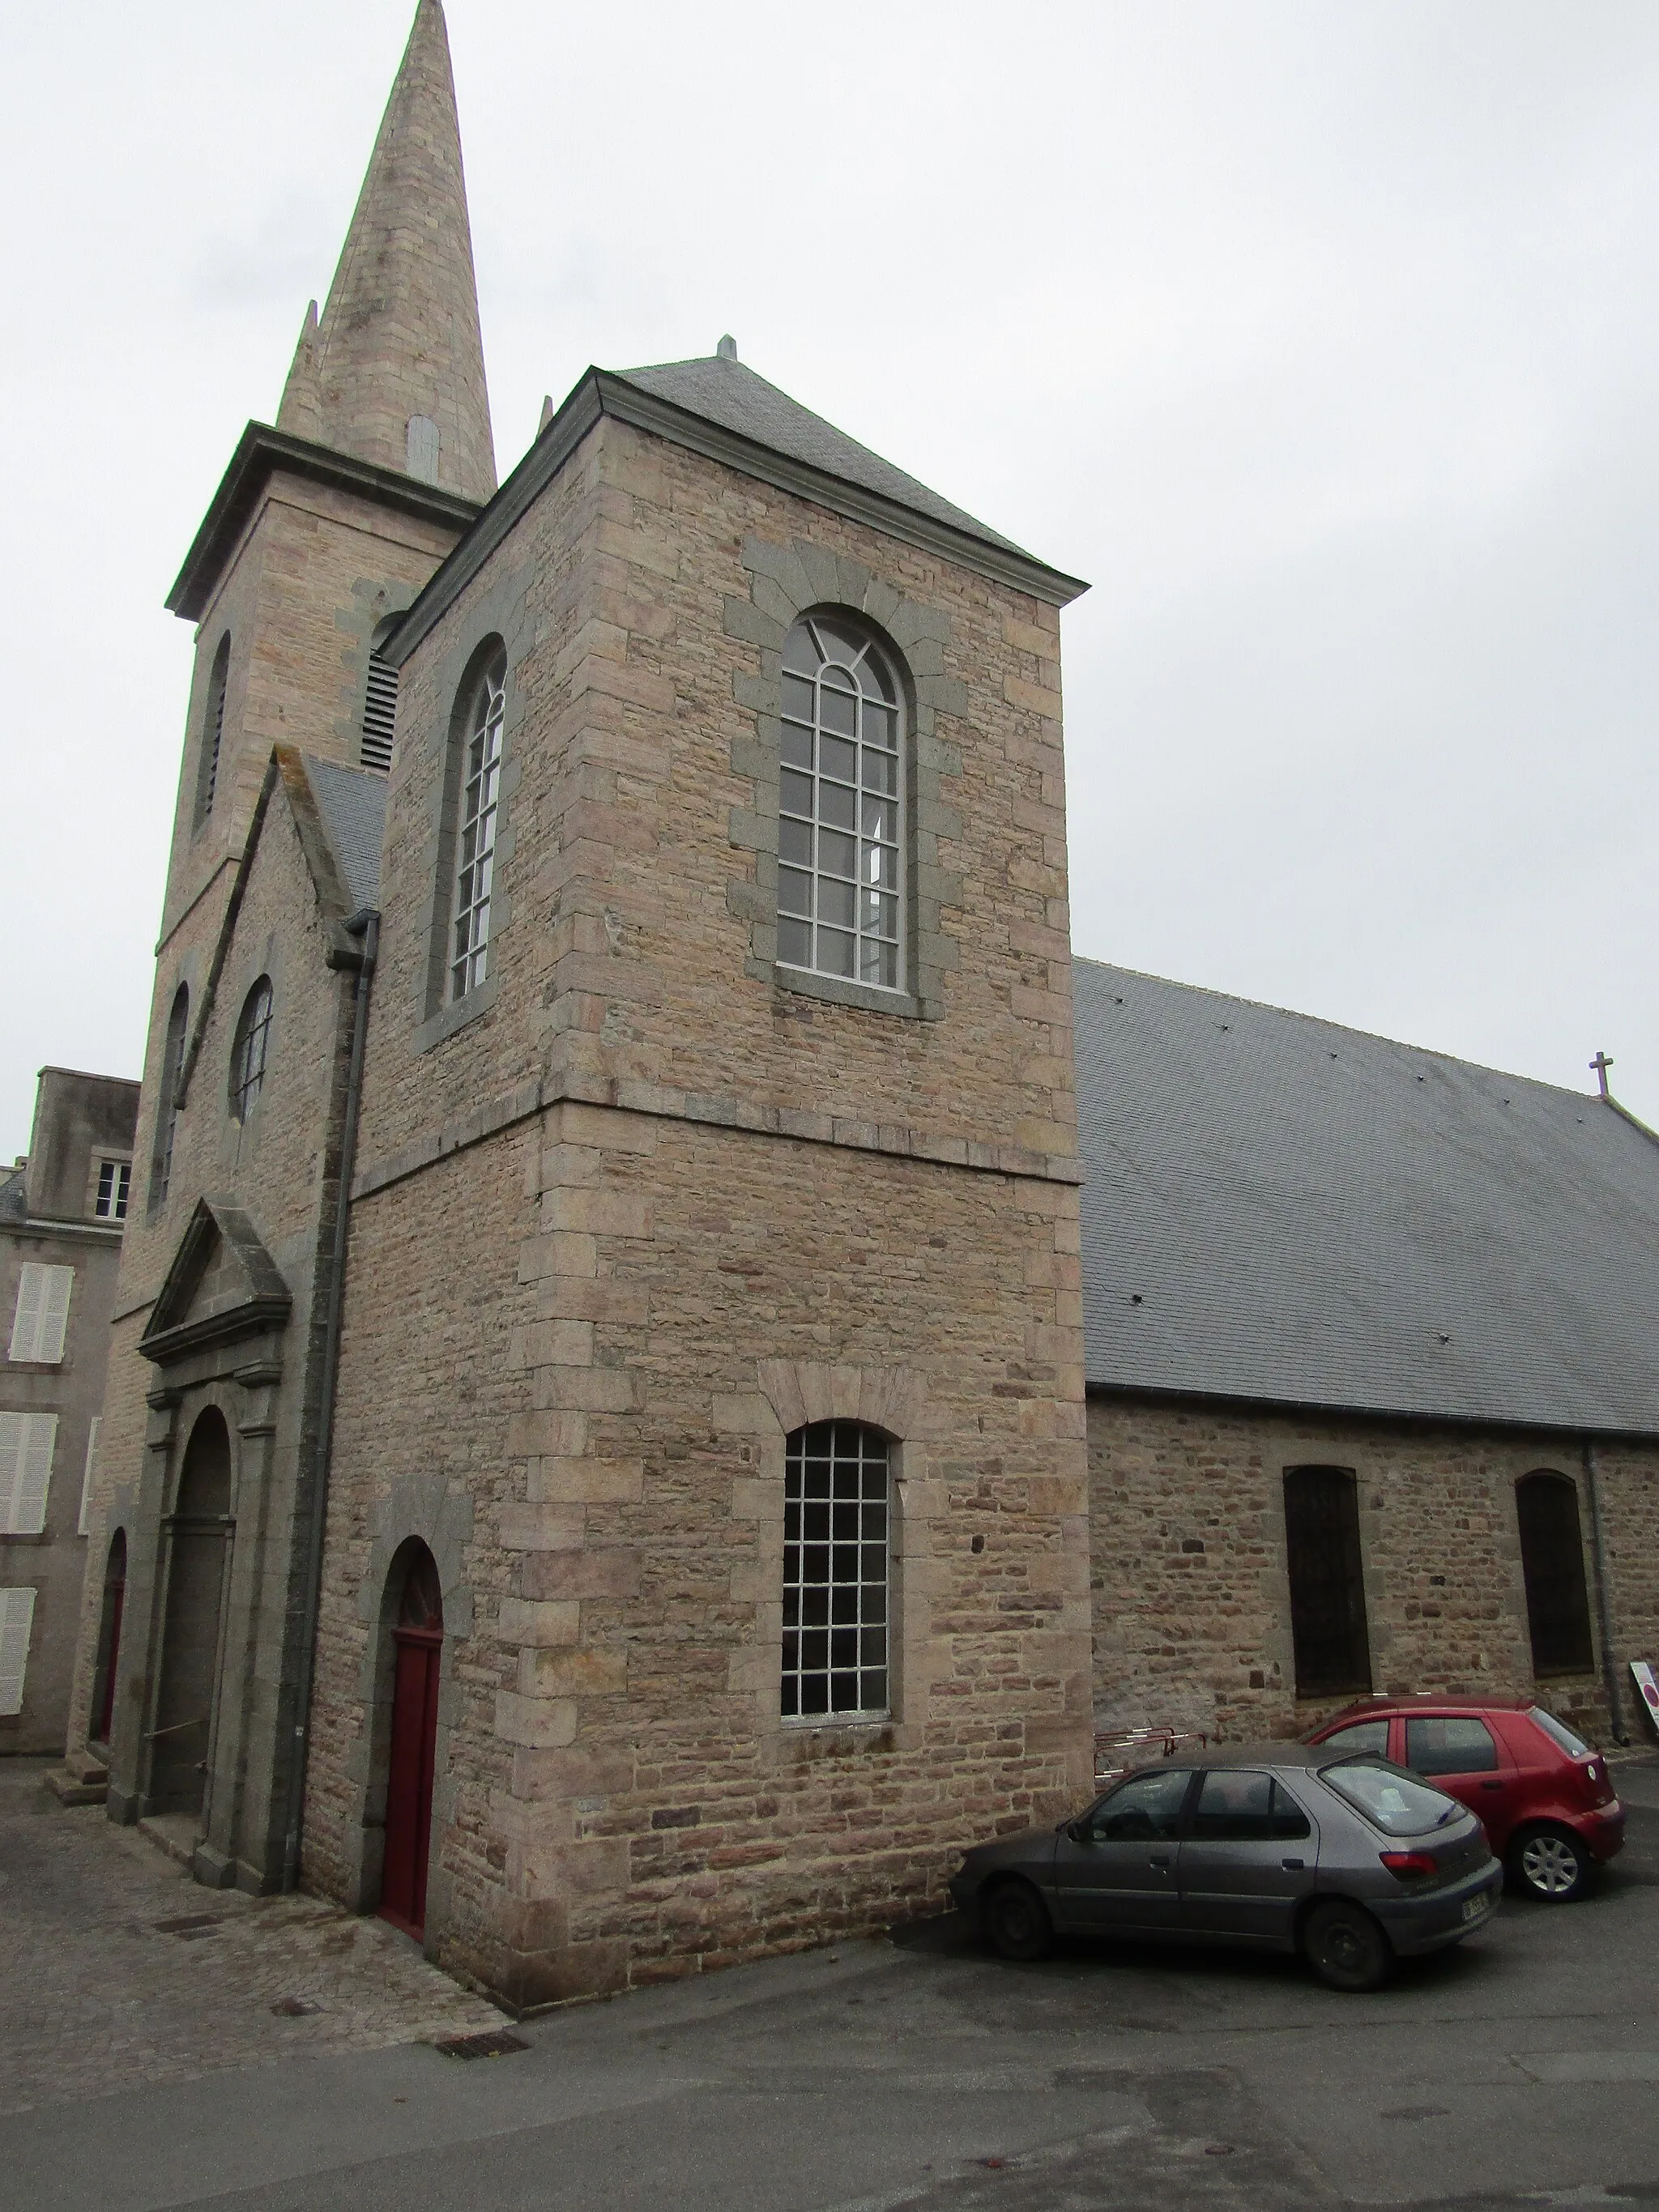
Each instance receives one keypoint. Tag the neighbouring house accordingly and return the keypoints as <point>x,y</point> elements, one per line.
<point>62,1211</point>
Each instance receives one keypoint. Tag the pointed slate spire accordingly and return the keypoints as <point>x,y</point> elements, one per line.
<point>399,361</point>
<point>302,410</point>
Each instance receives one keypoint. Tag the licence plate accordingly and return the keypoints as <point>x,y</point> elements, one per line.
<point>1477,1907</point>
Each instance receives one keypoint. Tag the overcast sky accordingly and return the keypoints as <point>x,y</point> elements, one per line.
<point>1320,335</point>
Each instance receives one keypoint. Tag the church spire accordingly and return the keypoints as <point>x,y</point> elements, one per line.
<point>395,372</point>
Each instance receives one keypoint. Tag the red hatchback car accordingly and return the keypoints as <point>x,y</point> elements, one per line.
<point>1549,1808</point>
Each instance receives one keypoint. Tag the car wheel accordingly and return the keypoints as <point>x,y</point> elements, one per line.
<point>1017,1922</point>
<point>1345,1947</point>
<point>1550,1863</point>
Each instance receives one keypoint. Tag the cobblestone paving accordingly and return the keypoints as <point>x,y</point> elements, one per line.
<point>94,1996</point>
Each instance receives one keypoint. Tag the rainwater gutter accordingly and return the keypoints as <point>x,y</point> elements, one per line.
<point>1603,1601</point>
<point>365,926</point>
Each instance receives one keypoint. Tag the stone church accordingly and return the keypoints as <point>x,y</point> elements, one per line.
<point>674,1353</point>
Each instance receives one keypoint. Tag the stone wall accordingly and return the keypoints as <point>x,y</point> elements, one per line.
<point>1190,1592</point>
<point>640,1207</point>
<point>582,1407</point>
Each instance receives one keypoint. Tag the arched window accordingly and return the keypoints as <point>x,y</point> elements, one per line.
<point>840,806</point>
<point>837,1486</point>
<point>248,1049</point>
<point>478,798</point>
<point>379,704</point>
<point>1552,1567</point>
<point>167,1108</point>
<point>213,731</point>
<point>1328,1628</point>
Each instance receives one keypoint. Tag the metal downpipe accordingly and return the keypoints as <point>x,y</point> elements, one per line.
<point>365,925</point>
<point>1603,1599</point>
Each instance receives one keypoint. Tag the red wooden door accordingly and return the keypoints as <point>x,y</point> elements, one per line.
<point>409,1783</point>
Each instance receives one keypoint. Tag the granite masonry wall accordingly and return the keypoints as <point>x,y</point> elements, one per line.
<point>639,1208</point>
<point>1191,1598</point>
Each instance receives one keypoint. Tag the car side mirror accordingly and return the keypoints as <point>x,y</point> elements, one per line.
<point>1077,1831</point>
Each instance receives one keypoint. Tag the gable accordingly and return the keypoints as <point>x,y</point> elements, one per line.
<point>223,1284</point>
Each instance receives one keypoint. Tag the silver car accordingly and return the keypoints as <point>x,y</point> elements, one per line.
<point>1351,1861</point>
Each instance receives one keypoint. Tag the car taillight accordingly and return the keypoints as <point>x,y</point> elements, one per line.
<point>1410,1866</point>
<point>1595,1775</point>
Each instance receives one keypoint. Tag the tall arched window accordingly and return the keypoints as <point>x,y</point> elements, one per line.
<point>836,1484</point>
<point>1328,1629</point>
<point>1552,1566</point>
<point>213,731</point>
<point>478,798</point>
<point>379,704</point>
<point>166,1108</point>
<point>840,806</point>
<point>248,1049</point>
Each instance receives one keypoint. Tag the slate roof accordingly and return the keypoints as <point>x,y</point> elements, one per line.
<point>1278,1209</point>
<point>730,393</point>
<point>352,803</point>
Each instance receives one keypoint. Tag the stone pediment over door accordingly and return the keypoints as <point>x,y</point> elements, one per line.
<point>222,1285</point>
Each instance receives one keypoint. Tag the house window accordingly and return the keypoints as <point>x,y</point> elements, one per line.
<point>114,1188</point>
<point>167,1111</point>
<point>380,705</point>
<point>27,1443</point>
<point>16,1619</point>
<point>475,842</point>
<point>1328,1588</point>
<point>1552,1567</point>
<point>213,731</point>
<point>840,804</point>
<point>836,1482</point>
<point>248,1047</point>
<point>40,1318</point>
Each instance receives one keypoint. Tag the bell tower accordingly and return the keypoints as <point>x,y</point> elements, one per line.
<point>328,522</point>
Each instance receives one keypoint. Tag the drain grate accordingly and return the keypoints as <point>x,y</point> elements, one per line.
<point>190,1924</point>
<point>494,2044</point>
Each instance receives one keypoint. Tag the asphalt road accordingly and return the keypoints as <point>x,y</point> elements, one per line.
<point>1522,2066</point>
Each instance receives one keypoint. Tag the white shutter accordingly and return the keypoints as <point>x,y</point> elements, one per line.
<point>53,1324</point>
<point>16,1619</point>
<point>26,1322</point>
<point>86,1479</point>
<point>39,1325</point>
<point>27,1441</point>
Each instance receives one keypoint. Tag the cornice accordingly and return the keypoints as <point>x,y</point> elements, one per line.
<point>260,451</point>
<point>600,394</point>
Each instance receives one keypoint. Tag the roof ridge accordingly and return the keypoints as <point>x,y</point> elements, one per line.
<point>1347,1029</point>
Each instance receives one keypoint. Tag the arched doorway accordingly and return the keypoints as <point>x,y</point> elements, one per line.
<point>417,1638</point>
<point>198,1536</point>
<point>109,1638</point>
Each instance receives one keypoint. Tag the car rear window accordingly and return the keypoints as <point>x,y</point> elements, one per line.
<point>1456,1745</point>
<point>1390,1799</point>
<point>1358,1736</point>
<point>1559,1733</point>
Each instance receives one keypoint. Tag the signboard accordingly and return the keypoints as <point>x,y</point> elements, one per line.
<point>1647,1688</point>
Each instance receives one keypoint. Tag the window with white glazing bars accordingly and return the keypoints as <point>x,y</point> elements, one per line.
<point>836,1483</point>
<point>114,1188</point>
<point>475,873</point>
<point>840,807</point>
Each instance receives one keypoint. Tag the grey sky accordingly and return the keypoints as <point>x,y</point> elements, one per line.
<point>1321,337</point>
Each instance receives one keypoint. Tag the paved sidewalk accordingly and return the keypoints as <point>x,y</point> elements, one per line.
<point>95,1996</point>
